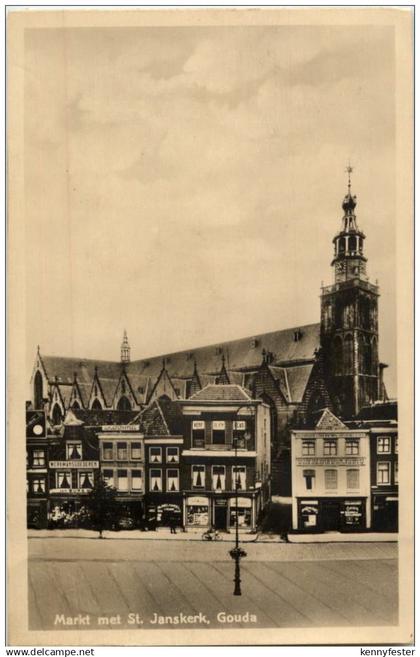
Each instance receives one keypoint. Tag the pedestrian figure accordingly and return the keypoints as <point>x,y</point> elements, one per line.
<point>172,524</point>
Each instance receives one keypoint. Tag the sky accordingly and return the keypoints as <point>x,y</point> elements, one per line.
<point>185,183</point>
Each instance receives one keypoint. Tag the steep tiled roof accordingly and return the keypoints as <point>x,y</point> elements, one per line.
<point>380,411</point>
<point>64,368</point>
<point>99,418</point>
<point>223,392</point>
<point>297,378</point>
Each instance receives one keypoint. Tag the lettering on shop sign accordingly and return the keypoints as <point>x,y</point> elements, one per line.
<point>330,460</point>
<point>74,464</point>
<point>70,491</point>
<point>328,436</point>
<point>121,427</point>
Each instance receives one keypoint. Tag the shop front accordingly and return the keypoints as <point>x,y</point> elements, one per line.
<point>332,514</point>
<point>163,510</point>
<point>37,514</point>
<point>219,511</point>
<point>385,513</point>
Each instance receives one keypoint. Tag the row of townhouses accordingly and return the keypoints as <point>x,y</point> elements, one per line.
<point>307,404</point>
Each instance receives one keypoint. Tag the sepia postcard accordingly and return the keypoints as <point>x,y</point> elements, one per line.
<point>210,326</point>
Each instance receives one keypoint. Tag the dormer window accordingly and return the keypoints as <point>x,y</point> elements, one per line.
<point>297,335</point>
<point>254,343</point>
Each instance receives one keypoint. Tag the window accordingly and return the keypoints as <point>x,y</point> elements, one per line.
<point>38,457</point>
<point>107,451</point>
<point>396,472</point>
<point>309,476</point>
<point>330,479</point>
<point>308,447</point>
<point>352,446</point>
<point>197,433</point>
<point>136,451</point>
<point>86,479</point>
<point>172,480</point>
<point>73,451</point>
<point>124,404</point>
<point>239,477</point>
<point>136,480</point>
<point>198,476</point>
<point>218,432</point>
<point>218,476</point>
<point>384,445</point>
<point>396,445</point>
<point>38,485</point>
<point>155,454</point>
<point>383,472</point>
<point>96,406</point>
<point>108,477</point>
<point>122,452</point>
<point>63,479</point>
<point>122,480</point>
<point>330,447</point>
<point>155,481</point>
<point>172,455</point>
<point>353,478</point>
<point>239,429</point>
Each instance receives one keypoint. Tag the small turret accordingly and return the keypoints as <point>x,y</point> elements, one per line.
<point>125,349</point>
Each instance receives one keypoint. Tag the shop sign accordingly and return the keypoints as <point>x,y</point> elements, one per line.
<point>309,509</point>
<point>330,460</point>
<point>121,427</point>
<point>243,502</point>
<point>198,501</point>
<point>220,502</point>
<point>74,464</point>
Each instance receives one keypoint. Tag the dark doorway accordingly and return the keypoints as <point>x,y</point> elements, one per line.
<point>331,516</point>
<point>220,517</point>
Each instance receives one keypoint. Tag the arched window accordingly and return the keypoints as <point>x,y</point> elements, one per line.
<point>124,404</point>
<point>38,393</point>
<point>338,355</point>
<point>348,354</point>
<point>56,414</point>
<point>352,243</point>
<point>76,405</point>
<point>367,356</point>
<point>97,406</point>
<point>374,356</point>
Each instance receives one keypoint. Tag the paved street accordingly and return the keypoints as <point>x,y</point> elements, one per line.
<point>283,585</point>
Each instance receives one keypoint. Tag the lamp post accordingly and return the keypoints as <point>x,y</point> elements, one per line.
<point>237,553</point>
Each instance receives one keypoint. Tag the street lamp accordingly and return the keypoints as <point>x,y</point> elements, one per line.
<point>237,553</point>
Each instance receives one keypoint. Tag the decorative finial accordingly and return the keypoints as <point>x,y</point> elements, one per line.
<point>223,360</point>
<point>125,349</point>
<point>163,363</point>
<point>349,170</point>
<point>75,377</point>
<point>96,370</point>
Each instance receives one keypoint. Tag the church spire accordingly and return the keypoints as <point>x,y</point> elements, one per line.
<point>125,349</point>
<point>349,261</point>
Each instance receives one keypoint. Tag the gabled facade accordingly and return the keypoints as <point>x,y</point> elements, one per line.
<point>36,469</point>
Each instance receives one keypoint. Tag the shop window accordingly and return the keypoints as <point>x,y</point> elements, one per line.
<point>122,480</point>
<point>330,479</point>
<point>218,432</point>
<point>136,451</point>
<point>197,433</point>
<point>218,476</point>
<point>353,478</point>
<point>198,514</point>
<point>309,476</point>
<point>107,451</point>
<point>330,447</point>
<point>239,477</point>
<point>86,479</point>
<point>172,480</point>
<point>384,445</point>
<point>122,454</point>
<point>244,517</point>
<point>63,479</point>
<point>38,485</point>
<point>308,447</point>
<point>155,454</point>
<point>38,457</point>
<point>108,477</point>
<point>198,476</point>
<point>172,455</point>
<point>73,451</point>
<point>309,515</point>
<point>383,473</point>
<point>396,472</point>
<point>352,447</point>
<point>155,481</point>
<point>136,480</point>
<point>239,433</point>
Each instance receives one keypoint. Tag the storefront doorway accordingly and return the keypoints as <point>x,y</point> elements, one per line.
<point>220,517</point>
<point>331,518</point>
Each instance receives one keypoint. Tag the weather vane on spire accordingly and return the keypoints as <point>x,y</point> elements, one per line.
<point>349,170</point>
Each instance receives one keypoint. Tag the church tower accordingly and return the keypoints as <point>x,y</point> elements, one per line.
<point>349,319</point>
